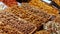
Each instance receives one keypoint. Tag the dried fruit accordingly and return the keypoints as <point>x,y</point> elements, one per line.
<point>34,18</point>
<point>45,7</point>
<point>16,23</point>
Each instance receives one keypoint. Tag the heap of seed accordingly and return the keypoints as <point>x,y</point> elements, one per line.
<point>11,24</point>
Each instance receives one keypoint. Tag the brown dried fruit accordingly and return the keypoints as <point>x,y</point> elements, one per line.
<point>16,23</point>
<point>34,18</point>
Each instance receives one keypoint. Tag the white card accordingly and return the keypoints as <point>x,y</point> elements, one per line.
<point>47,1</point>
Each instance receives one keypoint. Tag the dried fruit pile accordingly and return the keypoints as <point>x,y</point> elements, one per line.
<point>16,24</point>
<point>45,7</point>
<point>34,16</point>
